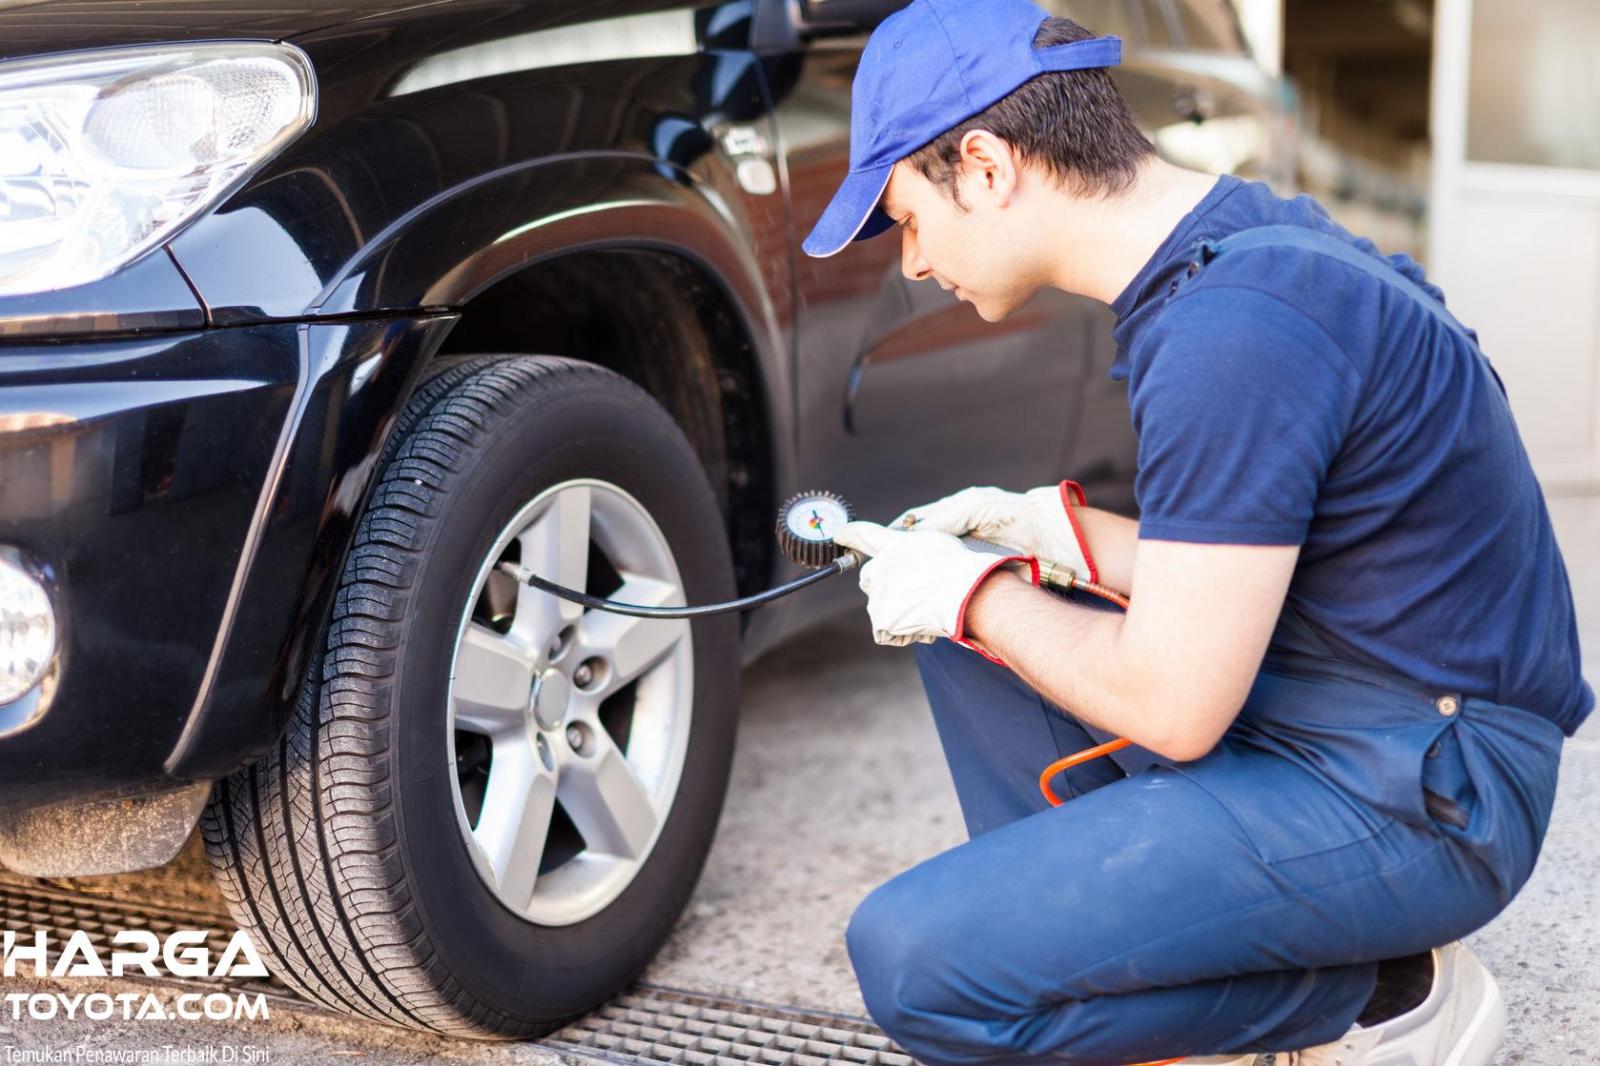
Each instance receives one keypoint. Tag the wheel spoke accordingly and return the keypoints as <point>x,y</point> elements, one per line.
<point>515,766</point>
<point>556,547</point>
<point>516,819</point>
<point>607,801</point>
<point>491,681</point>
<point>634,645</point>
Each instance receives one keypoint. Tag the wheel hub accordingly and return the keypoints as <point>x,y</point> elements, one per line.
<point>552,692</point>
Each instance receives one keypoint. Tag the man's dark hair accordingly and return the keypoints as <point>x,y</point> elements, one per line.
<point>1073,123</point>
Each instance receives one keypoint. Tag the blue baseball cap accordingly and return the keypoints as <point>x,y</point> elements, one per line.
<point>927,68</point>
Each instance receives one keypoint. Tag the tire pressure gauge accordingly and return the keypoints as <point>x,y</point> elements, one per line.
<point>806,525</point>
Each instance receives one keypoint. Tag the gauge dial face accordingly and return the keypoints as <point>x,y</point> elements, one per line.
<point>815,518</point>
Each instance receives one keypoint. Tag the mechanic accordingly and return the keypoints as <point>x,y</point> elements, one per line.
<point>1350,657</point>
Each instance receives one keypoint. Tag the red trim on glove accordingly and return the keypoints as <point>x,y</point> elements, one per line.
<point>961,614</point>
<point>1068,488</point>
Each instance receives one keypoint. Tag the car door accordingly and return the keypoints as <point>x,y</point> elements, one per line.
<point>903,392</point>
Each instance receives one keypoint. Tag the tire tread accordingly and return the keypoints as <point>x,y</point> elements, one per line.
<point>304,842</point>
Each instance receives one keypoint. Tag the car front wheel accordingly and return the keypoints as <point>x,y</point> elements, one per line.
<point>493,804</point>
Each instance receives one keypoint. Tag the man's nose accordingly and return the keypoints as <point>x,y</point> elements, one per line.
<point>912,265</point>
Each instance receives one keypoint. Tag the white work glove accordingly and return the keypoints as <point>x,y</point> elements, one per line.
<point>1038,522</point>
<point>918,583</point>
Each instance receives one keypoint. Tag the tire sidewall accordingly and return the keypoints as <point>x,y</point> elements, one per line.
<point>591,426</point>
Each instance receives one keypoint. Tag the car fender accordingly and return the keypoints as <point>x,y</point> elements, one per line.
<point>454,245</point>
<point>430,261</point>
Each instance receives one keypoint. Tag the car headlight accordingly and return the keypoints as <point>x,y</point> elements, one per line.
<point>106,154</point>
<point>27,627</point>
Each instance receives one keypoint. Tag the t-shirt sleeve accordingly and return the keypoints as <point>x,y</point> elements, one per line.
<point>1243,404</point>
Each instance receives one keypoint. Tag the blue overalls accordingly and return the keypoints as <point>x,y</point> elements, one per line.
<point>1240,902</point>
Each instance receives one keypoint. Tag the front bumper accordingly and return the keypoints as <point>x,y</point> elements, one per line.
<point>189,497</point>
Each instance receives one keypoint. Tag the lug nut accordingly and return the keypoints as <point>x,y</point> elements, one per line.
<point>575,738</point>
<point>559,645</point>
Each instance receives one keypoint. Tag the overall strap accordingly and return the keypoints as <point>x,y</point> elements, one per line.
<point>1327,244</point>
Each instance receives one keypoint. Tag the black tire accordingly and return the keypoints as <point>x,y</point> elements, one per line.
<point>339,850</point>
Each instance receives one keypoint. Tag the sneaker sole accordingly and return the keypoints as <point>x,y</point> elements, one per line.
<point>1485,1032</point>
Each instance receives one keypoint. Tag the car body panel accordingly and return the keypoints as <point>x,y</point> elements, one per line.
<point>150,295</point>
<point>192,498</point>
<point>471,161</point>
<point>353,379</point>
<point>42,27</point>
<point>132,472</point>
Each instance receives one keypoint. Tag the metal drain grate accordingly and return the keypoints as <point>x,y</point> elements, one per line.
<point>652,1023</point>
<point>647,1023</point>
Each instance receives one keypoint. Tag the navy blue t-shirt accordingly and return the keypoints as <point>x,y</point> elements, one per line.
<point>1284,397</point>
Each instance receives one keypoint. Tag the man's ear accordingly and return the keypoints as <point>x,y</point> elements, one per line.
<point>990,163</point>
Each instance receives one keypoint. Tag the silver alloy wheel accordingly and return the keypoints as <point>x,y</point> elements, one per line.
<point>530,676</point>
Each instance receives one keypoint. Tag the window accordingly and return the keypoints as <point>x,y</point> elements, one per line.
<point>1208,25</point>
<point>1159,28</point>
<point>1534,90</point>
<point>1102,16</point>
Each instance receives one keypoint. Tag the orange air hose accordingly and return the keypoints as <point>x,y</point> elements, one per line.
<point>1078,758</point>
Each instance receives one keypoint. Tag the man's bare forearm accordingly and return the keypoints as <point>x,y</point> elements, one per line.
<point>1071,655</point>
<point>1173,671</point>
<point>1113,541</point>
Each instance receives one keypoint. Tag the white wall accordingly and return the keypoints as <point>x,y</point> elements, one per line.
<point>1515,230</point>
<point>1263,27</point>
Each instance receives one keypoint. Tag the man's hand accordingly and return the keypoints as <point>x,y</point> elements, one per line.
<point>1039,522</point>
<point>918,583</point>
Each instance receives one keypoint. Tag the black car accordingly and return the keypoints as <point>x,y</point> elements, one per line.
<point>312,315</point>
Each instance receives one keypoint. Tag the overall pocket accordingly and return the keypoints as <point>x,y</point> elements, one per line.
<point>1446,793</point>
<point>1489,784</point>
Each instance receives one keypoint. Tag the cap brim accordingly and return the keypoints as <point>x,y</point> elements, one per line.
<point>853,215</point>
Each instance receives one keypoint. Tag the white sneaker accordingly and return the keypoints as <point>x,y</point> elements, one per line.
<point>1461,1023</point>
